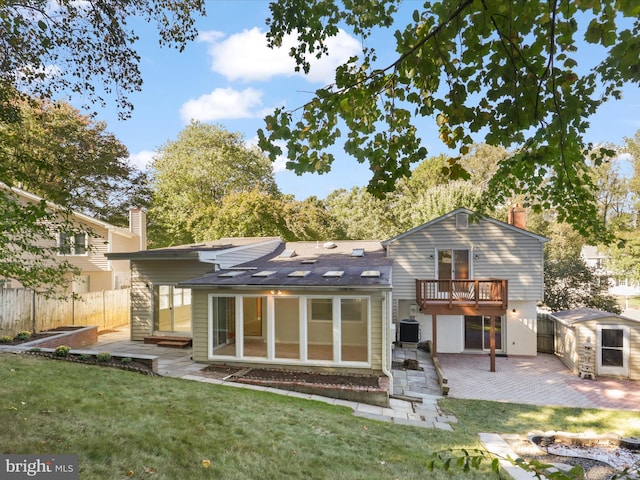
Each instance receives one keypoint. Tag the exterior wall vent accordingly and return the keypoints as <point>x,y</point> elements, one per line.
<point>462,221</point>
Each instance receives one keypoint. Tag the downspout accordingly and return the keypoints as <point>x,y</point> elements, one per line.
<point>385,338</point>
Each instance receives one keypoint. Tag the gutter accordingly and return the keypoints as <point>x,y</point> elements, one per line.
<point>386,305</point>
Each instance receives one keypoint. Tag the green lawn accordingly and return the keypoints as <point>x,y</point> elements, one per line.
<point>126,425</point>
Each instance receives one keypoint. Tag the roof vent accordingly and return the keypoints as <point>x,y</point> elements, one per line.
<point>329,245</point>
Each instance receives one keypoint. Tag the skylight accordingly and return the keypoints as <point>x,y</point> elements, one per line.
<point>370,274</point>
<point>233,273</point>
<point>309,260</point>
<point>357,252</point>
<point>333,273</point>
<point>299,273</point>
<point>263,273</point>
<point>289,253</point>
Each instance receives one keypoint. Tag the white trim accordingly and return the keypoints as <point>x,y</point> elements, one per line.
<point>606,370</point>
<point>303,334</point>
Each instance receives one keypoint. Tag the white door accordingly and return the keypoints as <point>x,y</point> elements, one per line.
<point>612,355</point>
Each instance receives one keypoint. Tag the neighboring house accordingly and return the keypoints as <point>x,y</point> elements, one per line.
<point>619,285</point>
<point>333,306</point>
<point>614,339</point>
<point>87,248</point>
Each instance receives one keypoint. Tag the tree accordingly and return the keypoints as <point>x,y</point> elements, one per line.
<point>424,206</point>
<point>192,175</point>
<point>504,71</point>
<point>569,283</point>
<point>58,153</point>
<point>256,213</point>
<point>361,216</point>
<point>57,48</point>
<point>632,148</point>
<point>72,47</point>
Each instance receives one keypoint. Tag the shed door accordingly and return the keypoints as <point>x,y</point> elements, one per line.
<point>613,350</point>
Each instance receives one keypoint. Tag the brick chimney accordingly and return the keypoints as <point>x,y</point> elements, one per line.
<point>138,225</point>
<point>517,217</point>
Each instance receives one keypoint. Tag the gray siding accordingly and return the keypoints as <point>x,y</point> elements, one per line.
<point>503,253</point>
<point>236,256</point>
<point>147,273</point>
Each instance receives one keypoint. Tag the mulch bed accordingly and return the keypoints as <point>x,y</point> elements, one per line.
<point>35,336</point>
<point>294,376</point>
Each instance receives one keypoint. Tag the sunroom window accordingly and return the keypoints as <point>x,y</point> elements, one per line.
<point>329,330</point>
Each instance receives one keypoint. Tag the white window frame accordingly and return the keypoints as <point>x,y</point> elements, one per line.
<point>607,370</point>
<point>303,338</point>
<point>71,240</point>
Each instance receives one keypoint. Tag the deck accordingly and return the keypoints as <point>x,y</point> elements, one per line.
<point>462,297</point>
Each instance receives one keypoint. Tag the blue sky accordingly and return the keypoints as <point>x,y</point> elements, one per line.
<point>229,77</point>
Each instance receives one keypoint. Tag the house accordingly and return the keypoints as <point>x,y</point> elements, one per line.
<point>462,279</point>
<point>619,285</point>
<point>468,286</point>
<point>89,245</point>
<point>614,339</point>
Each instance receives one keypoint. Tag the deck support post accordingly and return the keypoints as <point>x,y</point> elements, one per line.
<point>492,343</point>
<point>434,335</point>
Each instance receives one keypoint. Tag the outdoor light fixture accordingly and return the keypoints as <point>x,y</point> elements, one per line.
<point>476,256</point>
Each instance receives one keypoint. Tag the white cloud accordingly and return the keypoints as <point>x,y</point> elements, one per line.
<point>280,165</point>
<point>245,56</point>
<point>224,103</point>
<point>141,160</point>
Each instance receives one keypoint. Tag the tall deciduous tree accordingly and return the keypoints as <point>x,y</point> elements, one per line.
<point>361,216</point>
<point>194,173</point>
<point>83,48</point>
<point>569,283</point>
<point>256,213</point>
<point>504,73</point>
<point>72,160</point>
<point>66,48</point>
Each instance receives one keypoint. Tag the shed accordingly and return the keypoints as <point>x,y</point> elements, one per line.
<point>615,339</point>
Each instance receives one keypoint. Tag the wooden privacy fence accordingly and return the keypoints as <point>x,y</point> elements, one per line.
<point>22,309</point>
<point>546,333</point>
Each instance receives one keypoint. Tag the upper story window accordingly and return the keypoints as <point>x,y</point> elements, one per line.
<point>76,244</point>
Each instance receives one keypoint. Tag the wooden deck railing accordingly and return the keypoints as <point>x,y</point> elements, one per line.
<point>462,292</point>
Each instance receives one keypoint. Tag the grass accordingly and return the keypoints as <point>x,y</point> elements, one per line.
<point>126,425</point>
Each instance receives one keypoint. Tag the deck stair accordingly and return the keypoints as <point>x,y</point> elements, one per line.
<point>169,342</point>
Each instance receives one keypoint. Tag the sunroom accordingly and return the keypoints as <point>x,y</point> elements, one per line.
<point>288,328</point>
<point>328,310</point>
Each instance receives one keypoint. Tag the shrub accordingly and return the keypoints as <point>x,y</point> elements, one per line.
<point>24,335</point>
<point>6,339</point>
<point>103,357</point>
<point>62,351</point>
<point>84,357</point>
<point>35,350</point>
<point>126,360</point>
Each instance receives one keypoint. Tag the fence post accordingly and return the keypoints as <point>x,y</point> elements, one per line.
<point>33,311</point>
